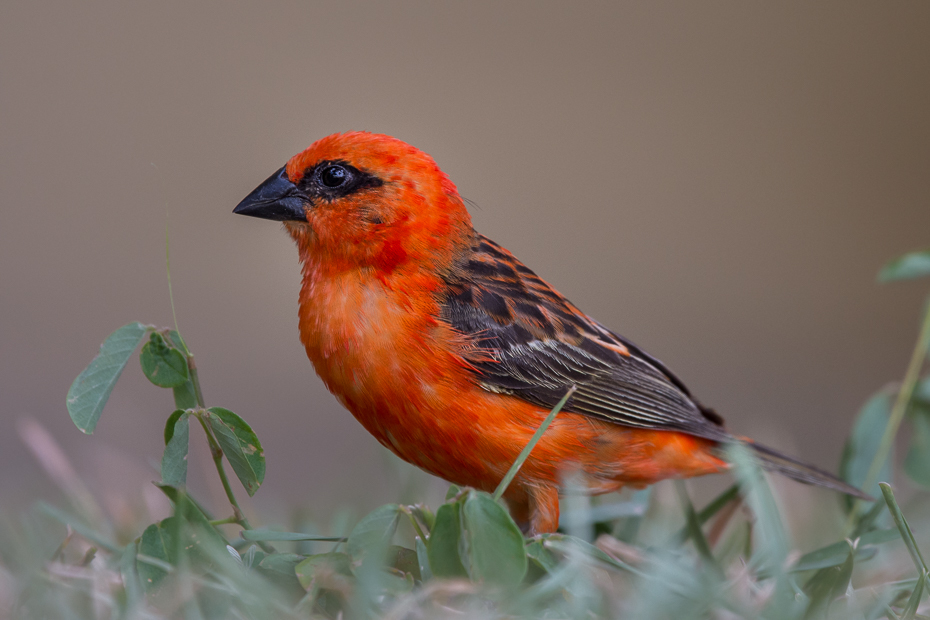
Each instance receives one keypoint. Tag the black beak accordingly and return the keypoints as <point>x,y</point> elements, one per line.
<point>275,199</point>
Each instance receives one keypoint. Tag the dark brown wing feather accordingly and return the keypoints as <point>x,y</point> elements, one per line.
<point>532,343</point>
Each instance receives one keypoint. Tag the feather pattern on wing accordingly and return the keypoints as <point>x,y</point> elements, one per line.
<point>529,341</point>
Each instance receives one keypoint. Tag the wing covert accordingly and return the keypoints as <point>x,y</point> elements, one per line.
<point>531,342</point>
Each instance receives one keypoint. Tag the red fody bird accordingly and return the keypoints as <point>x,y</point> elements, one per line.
<point>451,352</point>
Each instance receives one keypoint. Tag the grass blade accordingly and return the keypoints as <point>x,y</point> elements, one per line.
<point>78,526</point>
<point>829,583</point>
<point>525,453</point>
<point>694,526</point>
<point>903,528</point>
<point>910,610</point>
<point>773,543</point>
<point>707,513</point>
<point>835,554</point>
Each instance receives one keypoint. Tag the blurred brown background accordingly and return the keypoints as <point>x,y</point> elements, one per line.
<point>719,181</point>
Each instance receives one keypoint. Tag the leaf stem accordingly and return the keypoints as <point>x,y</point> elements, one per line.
<point>195,378</point>
<point>174,315</point>
<point>900,405</point>
<point>217,452</point>
<point>413,521</point>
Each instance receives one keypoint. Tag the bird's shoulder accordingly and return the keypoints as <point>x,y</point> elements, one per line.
<point>526,339</point>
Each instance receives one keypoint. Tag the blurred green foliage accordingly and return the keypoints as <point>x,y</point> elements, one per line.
<point>467,558</point>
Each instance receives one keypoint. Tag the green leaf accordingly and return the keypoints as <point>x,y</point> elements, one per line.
<point>829,583</point>
<point>174,459</point>
<point>496,553</point>
<point>164,365</point>
<point>90,391</point>
<point>192,513</point>
<point>240,445</point>
<point>373,534</point>
<point>283,563</point>
<point>174,340</point>
<point>426,572</point>
<point>280,568</point>
<point>835,554</point>
<point>863,444</point>
<point>188,533</point>
<point>452,491</point>
<point>911,265</point>
<point>541,556</point>
<point>184,396</point>
<point>157,541</point>
<point>443,548</point>
<point>405,560</point>
<point>917,461</point>
<point>273,535</point>
<point>424,515</point>
<point>180,496</point>
<point>332,564</point>
<point>128,571</point>
<point>170,422</point>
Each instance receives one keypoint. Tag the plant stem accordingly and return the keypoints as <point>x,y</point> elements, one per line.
<point>195,378</point>
<point>693,524</point>
<point>900,404</point>
<point>217,454</point>
<point>215,450</point>
<point>413,521</point>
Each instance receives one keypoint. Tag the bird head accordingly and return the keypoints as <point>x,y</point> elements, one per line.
<point>363,200</point>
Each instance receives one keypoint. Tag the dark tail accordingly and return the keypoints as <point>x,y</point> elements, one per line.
<point>772,460</point>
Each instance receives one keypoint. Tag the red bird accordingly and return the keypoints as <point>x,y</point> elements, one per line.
<point>451,352</point>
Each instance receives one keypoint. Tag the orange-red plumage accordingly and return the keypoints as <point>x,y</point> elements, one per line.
<point>451,352</point>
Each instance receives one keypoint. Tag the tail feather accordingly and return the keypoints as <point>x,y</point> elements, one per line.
<point>772,460</point>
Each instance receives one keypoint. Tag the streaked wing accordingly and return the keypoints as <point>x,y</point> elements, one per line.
<point>531,342</point>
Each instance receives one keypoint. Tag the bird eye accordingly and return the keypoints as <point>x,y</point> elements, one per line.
<point>334,176</point>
